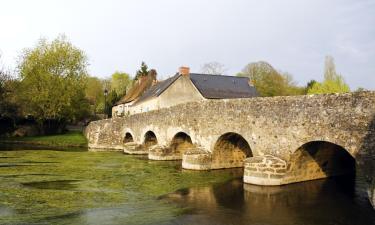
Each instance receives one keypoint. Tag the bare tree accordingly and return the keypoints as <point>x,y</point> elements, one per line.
<point>214,68</point>
<point>330,68</point>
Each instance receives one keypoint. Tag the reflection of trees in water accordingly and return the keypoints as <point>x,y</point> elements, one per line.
<point>328,201</point>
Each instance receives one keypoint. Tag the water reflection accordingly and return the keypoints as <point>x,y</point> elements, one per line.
<point>55,184</point>
<point>94,188</point>
<point>330,201</point>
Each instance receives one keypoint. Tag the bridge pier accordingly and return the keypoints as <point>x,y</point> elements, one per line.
<point>133,148</point>
<point>197,159</point>
<point>160,152</point>
<point>200,159</point>
<point>180,144</point>
<point>265,170</point>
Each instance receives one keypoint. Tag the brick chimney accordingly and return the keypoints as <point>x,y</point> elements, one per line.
<point>184,70</point>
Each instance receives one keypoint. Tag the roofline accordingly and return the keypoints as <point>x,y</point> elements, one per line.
<point>178,77</point>
<point>157,95</point>
<point>221,75</point>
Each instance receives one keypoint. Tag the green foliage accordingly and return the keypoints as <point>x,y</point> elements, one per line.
<point>112,98</point>
<point>116,87</point>
<point>143,71</point>
<point>70,139</point>
<point>4,81</point>
<point>310,84</point>
<point>120,82</point>
<point>270,82</point>
<point>329,86</point>
<point>53,79</point>
<point>94,94</point>
<point>333,82</point>
<point>8,91</point>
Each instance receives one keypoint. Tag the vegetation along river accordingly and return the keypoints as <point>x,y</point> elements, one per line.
<point>81,187</point>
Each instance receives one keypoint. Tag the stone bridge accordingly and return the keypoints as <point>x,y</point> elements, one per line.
<point>279,140</point>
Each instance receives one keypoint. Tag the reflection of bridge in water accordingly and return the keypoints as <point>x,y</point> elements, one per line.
<point>281,139</point>
<point>330,201</point>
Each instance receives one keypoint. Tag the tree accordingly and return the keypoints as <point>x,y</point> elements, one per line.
<point>310,84</point>
<point>53,79</point>
<point>120,82</point>
<point>143,71</point>
<point>333,82</point>
<point>214,68</point>
<point>112,98</point>
<point>268,81</point>
<point>4,78</point>
<point>94,93</point>
<point>8,88</point>
<point>359,89</point>
<point>329,68</point>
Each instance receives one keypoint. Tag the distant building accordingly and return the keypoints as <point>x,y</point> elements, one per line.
<point>121,108</point>
<point>183,87</point>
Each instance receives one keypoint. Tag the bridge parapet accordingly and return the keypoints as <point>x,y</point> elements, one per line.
<point>228,131</point>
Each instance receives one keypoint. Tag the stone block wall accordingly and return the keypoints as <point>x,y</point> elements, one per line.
<point>274,126</point>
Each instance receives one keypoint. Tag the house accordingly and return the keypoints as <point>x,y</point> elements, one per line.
<point>189,87</point>
<point>121,108</point>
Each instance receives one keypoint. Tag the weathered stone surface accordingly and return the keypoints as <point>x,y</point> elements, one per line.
<point>158,152</point>
<point>197,159</point>
<point>133,148</point>
<point>276,126</point>
<point>265,173</point>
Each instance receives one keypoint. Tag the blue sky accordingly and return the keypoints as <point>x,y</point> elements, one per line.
<point>294,36</point>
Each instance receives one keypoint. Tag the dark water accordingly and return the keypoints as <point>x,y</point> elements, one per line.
<point>331,201</point>
<point>70,187</point>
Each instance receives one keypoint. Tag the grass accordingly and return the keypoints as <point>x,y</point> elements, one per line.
<point>69,139</point>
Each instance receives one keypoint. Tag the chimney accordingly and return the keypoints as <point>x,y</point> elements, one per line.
<point>184,70</point>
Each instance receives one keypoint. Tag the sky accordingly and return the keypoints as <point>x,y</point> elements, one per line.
<point>294,36</point>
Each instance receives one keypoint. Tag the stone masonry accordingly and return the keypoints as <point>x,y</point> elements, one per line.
<point>274,128</point>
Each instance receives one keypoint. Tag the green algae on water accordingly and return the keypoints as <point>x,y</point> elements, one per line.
<point>92,187</point>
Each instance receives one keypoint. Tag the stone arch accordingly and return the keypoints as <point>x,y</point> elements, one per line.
<point>150,139</point>
<point>180,143</point>
<point>128,138</point>
<point>230,150</point>
<point>319,159</point>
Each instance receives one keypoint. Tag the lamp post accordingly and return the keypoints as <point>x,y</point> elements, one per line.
<point>105,103</point>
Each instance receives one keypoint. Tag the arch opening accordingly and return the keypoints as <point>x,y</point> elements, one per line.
<point>150,139</point>
<point>321,159</point>
<point>128,138</point>
<point>230,151</point>
<point>180,143</point>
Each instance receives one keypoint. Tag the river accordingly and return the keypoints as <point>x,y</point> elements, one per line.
<point>81,187</point>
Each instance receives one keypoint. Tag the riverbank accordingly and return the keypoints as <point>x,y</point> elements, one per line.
<point>69,139</point>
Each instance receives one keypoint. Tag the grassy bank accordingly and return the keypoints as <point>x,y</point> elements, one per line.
<point>69,139</point>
